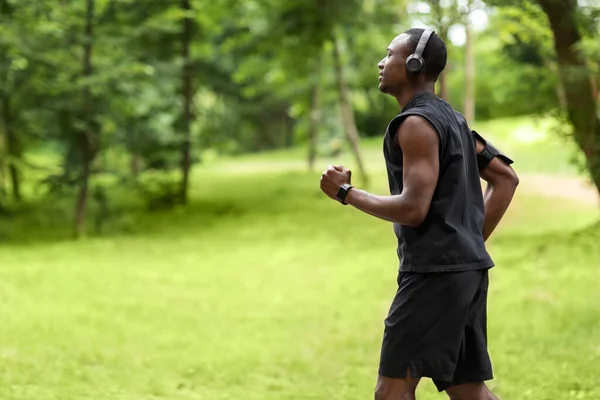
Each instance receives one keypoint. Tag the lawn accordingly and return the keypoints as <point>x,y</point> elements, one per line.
<point>263,289</point>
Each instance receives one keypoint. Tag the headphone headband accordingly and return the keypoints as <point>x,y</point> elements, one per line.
<point>423,42</point>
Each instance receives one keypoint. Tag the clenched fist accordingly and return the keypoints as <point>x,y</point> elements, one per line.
<point>334,177</point>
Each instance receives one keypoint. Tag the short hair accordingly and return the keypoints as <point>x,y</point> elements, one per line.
<point>434,55</point>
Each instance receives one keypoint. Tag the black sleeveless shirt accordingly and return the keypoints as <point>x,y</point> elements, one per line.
<point>450,238</point>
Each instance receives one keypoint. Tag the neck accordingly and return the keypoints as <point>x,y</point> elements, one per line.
<point>404,97</point>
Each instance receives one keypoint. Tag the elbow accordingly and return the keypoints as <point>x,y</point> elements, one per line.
<point>416,220</point>
<point>512,180</point>
<point>508,180</point>
<point>414,217</point>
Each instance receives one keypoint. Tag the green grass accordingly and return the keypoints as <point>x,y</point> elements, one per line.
<point>263,289</point>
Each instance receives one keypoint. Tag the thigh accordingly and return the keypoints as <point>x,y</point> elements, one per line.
<point>473,364</point>
<point>425,324</point>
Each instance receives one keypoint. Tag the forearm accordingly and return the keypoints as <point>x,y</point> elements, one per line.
<point>396,209</point>
<point>497,198</point>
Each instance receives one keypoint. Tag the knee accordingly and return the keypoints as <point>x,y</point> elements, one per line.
<point>398,396</point>
<point>462,393</point>
<point>396,388</point>
<point>455,396</point>
<point>381,392</point>
<point>470,392</point>
<point>452,395</point>
<point>386,393</point>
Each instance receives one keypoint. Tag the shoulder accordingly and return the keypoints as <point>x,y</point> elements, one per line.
<point>459,115</point>
<point>416,131</point>
<point>415,123</point>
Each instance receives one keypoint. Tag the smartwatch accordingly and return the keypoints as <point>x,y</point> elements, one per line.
<point>343,192</point>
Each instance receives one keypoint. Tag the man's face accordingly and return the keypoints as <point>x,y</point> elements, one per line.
<point>392,69</point>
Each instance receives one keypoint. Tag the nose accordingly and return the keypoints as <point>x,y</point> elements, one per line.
<point>381,63</point>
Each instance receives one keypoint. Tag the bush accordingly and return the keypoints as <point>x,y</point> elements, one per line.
<point>159,189</point>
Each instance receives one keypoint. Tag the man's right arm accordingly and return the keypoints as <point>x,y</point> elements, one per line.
<point>502,182</point>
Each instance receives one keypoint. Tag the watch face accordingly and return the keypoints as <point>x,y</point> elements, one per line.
<point>342,192</point>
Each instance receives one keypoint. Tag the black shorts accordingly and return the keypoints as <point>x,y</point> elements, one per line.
<point>436,326</point>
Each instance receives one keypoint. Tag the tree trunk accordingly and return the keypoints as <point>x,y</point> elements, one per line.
<point>560,94</point>
<point>575,77</point>
<point>13,150</point>
<point>559,89</point>
<point>347,112</point>
<point>136,164</point>
<point>315,113</point>
<point>186,89</point>
<point>135,158</point>
<point>13,145</point>
<point>289,130</point>
<point>469,73</point>
<point>3,154</point>
<point>15,175</point>
<point>3,190</point>
<point>86,141</point>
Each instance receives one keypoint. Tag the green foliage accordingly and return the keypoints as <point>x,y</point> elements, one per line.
<point>253,67</point>
<point>516,72</point>
<point>159,190</point>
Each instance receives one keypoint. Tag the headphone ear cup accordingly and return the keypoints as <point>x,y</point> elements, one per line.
<point>414,65</point>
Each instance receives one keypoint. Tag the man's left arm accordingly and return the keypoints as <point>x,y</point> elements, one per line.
<point>420,148</point>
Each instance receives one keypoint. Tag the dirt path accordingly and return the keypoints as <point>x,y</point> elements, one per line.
<point>560,187</point>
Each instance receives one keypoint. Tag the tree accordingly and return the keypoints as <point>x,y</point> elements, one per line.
<point>12,75</point>
<point>526,38</point>
<point>315,112</point>
<point>312,26</point>
<point>187,94</point>
<point>466,10</point>
<point>576,77</point>
<point>86,138</point>
<point>348,119</point>
<point>112,91</point>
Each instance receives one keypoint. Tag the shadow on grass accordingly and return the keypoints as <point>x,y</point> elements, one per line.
<point>221,200</point>
<point>227,202</point>
<point>590,235</point>
<point>585,240</point>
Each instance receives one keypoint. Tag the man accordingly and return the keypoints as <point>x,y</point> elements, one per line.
<point>436,326</point>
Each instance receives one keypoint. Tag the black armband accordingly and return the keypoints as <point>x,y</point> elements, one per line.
<point>488,153</point>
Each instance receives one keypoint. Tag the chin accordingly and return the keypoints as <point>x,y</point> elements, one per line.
<point>386,90</point>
